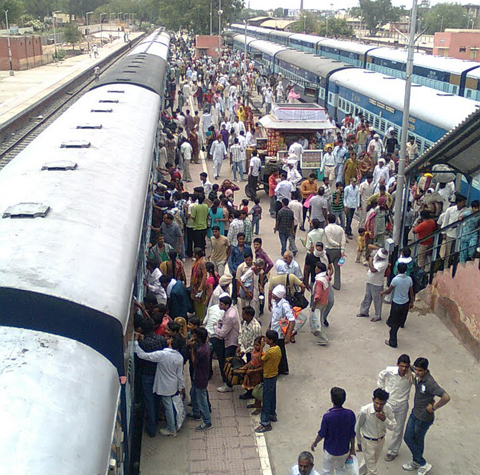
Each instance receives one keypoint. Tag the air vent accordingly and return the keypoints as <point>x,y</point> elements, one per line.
<point>444,95</point>
<point>114,91</point>
<point>60,165</point>
<point>108,101</point>
<point>89,126</point>
<point>129,72</point>
<point>123,79</point>
<point>388,77</point>
<point>130,66</point>
<point>75,144</point>
<point>137,62</point>
<point>101,110</point>
<point>26,210</point>
<point>416,85</point>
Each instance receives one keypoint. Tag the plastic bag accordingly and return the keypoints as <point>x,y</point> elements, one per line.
<point>351,466</point>
<point>179,408</point>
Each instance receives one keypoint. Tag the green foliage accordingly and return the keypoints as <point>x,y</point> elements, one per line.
<point>37,25</point>
<point>15,10</point>
<point>307,23</point>
<point>40,9</point>
<point>247,13</point>
<point>72,34</point>
<point>446,15</point>
<point>335,28</point>
<point>377,13</point>
<point>278,13</point>
<point>194,14</point>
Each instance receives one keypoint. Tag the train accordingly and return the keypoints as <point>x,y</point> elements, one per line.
<point>449,75</point>
<point>76,205</point>
<point>345,89</point>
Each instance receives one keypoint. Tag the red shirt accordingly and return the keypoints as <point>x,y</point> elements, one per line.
<point>272,184</point>
<point>424,229</point>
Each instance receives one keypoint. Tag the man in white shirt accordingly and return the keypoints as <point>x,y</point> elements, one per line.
<point>186,151</point>
<point>365,190</point>
<point>288,265</point>
<point>297,209</point>
<point>293,174</point>
<point>152,281</point>
<point>242,141</point>
<point>296,149</point>
<point>305,465</point>
<point>328,164</point>
<point>207,186</point>
<point>268,95</point>
<point>335,241</point>
<point>373,420</point>
<point>283,189</point>
<point>397,381</point>
<point>377,265</point>
<point>377,146</point>
<point>254,173</point>
<point>218,153</point>
<point>351,201</point>
<point>453,214</point>
<point>339,153</point>
<point>169,379</point>
<point>381,171</point>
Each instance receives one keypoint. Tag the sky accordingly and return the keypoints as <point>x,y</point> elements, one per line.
<point>337,4</point>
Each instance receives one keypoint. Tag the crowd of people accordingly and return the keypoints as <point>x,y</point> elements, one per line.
<point>214,311</point>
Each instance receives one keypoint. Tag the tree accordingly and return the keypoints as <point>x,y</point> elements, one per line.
<point>377,13</point>
<point>247,13</point>
<point>335,28</point>
<point>278,13</point>
<point>72,34</point>
<point>15,10</point>
<point>307,23</point>
<point>446,15</point>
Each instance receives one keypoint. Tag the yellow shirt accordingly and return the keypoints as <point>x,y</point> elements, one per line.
<point>271,360</point>
<point>361,243</point>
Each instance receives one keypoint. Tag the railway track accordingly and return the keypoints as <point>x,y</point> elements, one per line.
<point>23,136</point>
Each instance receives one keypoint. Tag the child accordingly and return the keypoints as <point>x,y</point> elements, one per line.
<point>256,213</point>
<point>271,360</point>
<point>361,246</point>
<point>244,206</point>
<point>253,373</point>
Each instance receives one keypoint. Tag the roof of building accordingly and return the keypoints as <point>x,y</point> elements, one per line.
<point>278,24</point>
<point>459,148</point>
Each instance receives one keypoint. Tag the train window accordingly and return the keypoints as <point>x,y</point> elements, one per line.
<point>89,126</point>
<point>382,125</point>
<point>26,210</point>
<point>75,144</point>
<point>60,165</point>
<point>377,123</point>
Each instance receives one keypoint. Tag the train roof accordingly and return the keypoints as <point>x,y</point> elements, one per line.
<point>442,110</point>
<point>310,62</point>
<point>278,33</point>
<point>241,39</point>
<point>89,172</point>
<point>58,404</point>
<point>439,63</point>
<point>267,47</point>
<point>307,38</point>
<point>349,46</point>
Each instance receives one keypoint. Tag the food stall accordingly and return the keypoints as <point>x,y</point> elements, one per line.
<point>286,124</point>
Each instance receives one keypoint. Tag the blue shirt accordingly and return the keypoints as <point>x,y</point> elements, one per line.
<point>401,289</point>
<point>337,429</point>
<point>237,257</point>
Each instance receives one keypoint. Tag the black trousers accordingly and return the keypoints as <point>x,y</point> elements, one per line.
<point>283,366</point>
<point>189,242</point>
<point>222,353</point>
<point>199,236</point>
<point>397,318</point>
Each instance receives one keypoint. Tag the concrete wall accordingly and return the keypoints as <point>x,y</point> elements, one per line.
<point>27,52</point>
<point>461,44</point>
<point>456,301</point>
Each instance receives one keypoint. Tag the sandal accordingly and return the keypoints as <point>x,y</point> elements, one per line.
<point>292,339</point>
<point>263,428</point>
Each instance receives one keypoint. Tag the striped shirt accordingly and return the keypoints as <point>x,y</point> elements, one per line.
<point>337,207</point>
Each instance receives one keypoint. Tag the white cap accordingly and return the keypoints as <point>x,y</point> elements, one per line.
<point>279,291</point>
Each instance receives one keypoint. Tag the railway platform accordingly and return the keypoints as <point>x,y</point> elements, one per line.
<point>26,88</point>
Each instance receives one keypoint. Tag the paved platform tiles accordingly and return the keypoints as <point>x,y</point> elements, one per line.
<point>27,87</point>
